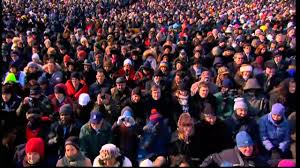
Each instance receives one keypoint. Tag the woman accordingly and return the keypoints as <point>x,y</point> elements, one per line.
<point>75,86</point>
<point>110,156</point>
<point>243,75</point>
<point>73,157</point>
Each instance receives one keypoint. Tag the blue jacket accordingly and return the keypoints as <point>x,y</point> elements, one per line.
<point>274,135</point>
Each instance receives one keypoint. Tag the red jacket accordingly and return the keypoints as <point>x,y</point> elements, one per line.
<point>55,104</point>
<point>71,90</point>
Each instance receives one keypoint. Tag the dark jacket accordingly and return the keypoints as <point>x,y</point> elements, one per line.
<point>96,87</point>
<point>234,158</point>
<point>197,104</point>
<point>8,111</point>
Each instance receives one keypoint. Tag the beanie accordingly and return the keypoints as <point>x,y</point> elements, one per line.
<point>10,78</point>
<point>74,141</point>
<point>35,56</point>
<point>154,116</point>
<point>84,99</point>
<point>278,109</point>
<point>286,163</point>
<point>227,83</point>
<point>136,91</point>
<point>127,61</point>
<point>239,103</point>
<point>243,139</point>
<point>67,58</point>
<point>81,54</point>
<point>126,111</point>
<point>60,88</point>
<point>35,145</point>
<point>66,109</point>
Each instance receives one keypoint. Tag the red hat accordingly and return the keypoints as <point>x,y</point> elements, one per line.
<point>35,145</point>
<point>67,58</point>
<point>154,116</point>
<point>81,54</point>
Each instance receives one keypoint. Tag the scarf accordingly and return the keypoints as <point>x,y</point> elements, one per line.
<point>76,161</point>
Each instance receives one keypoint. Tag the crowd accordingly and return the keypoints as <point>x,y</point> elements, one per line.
<point>148,83</point>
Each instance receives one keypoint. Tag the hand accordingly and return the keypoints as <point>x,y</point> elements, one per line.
<point>26,100</point>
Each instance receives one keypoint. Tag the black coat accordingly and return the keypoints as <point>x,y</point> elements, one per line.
<point>235,158</point>
<point>197,104</point>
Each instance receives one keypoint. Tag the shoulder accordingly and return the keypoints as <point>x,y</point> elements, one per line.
<point>126,162</point>
<point>96,162</point>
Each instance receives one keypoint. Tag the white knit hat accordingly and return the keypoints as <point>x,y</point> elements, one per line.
<point>146,163</point>
<point>127,61</point>
<point>245,68</point>
<point>35,56</point>
<point>84,99</point>
<point>239,103</point>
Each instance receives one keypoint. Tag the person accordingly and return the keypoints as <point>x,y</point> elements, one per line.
<point>184,145</point>
<point>125,133</point>
<point>120,92</point>
<point>127,72</point>
<point>241,155</point>
<point>274,131</point>
<point>243,75</point>
<point>101,82</point>
<point>53,74</point>
<point>110,156</point>
<point>73,157</point>
<point>75,86</point>
<point>95,133</point>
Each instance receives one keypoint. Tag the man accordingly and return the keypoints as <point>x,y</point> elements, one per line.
<point>54,75</point>
<point>120,92</point>
<point>127,72</point>
<point>94,134</point>
<point>157,80</point>
<point>275,133</point>
<point>242,155</point>
<point>88,73</point>
<point>75,86</point>
<point>101,82</point>
<point>206,78</point>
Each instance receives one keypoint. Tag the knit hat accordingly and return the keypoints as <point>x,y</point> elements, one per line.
<point>60,88</point>
<point>146,163</point>
<point>66,109</point>
<point>10,78</point>
<point>35,56</point>
<point>246,67</point>
<point>163,63</point>
<point>120,80</point>
<point>7,89</point>
<point>84,99</point>
<point>32,76</point>
<point>208,109</point>
<point>278,109</point>
<point>252,83</point>
<point>286,163</point>
<point>126,111</point>
<point>136,91</point>
<point>243,139</point>
<point>67,58</point>
<point>109,151</point>
<point>87,62</point>
<point>154,116</point>
<point>227,83</point>
<point>270,64</point>
<point>95,117</point>
<point>127,61</point>
<point>81,54</point>
<point>74,141</point>
<point>32,65</point>
<point>239,103</point>
<point>157,73</point>
<point>35,145</point>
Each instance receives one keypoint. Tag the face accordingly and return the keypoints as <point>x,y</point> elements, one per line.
<point>51,67</point>
<point>270,71</point>
<point>278,59</point>
<point>59,95</point>
<point>135,98</point>
<point>247,49</point>
<point>241,112</point>
<point>65,118</point>
<point>6,97</point>
<point>156,94</point>
<point>121,86</point>
<point>71,151</point>
<point>246,150</point>
<point>163,69</point>
<point>13,70</point>
<point>75,81</point>
<point>224,90</point>
<point>157,79</point>
<point>100,77</point>
<point>187,129</point>
<point>127,67</point>
<point>239,59</point>
<point>203,92</point>
<point>205,76</point>
<point>211,119</point>
<point>96,126</point>
<point>32,69</point>
<point>33,157</point>
<point>246,74</point>
<point>292,87</point>
<point>276,117</point>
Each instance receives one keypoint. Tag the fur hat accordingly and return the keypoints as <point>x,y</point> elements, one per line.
<point>223,70</point>
<point>278,109</point>
<point>35,145</point>
<point>243,139</point>
<point>109,151</point>
<point>148,53</point>
<point>246,67</point>
<point>239,103</point>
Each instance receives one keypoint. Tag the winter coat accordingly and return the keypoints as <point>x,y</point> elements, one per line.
<point>274,135</point>
<point>191,151</point>
<point>58,134</point>
<point>79,161</point>
<point>89,77</point>
<point>56,105</point>
<point>257,104</point>
<point>122,161</point>
<point>197,104</point>
<point>83,88</point>
<point>8,111</point>
<point>268,83</point>
<point>120,97</point>
<point>38,128</point>
<point>234,158</point>
<point>210,136</point>
<point>91,141</point>
<point>96,88</point>
<point>247,124</point>
<point>224,108</point>
<point>121,73</point>
<point>55,78</point>
<point>162,105</point>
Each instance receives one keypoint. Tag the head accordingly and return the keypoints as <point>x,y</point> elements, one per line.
<point>292,86</point>
<point>246,71</point>
<point>127,65</point>
<point>72,147</point>
<point>7,92</point>
<point>210,118</point>
<point>65,114</point>
<point>59,91</point>
<point>136,95</point>
<point>75,79</point>
<point>34,150</point>
<point>156,92</point>
<point>51,67</point>
<point>244,143</point>
<point>96,120</point>
<point>109,154</point>
<point>277,112</point>
<point>100,76</point>
<point>121,84</point>
<point>203,89</point>
<point>238,58</point>
<point>185,126</point>
<point>240,107</point>
<point>205,76</point>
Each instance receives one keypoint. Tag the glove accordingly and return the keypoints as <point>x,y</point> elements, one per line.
<point>275,153</point>
<point>120,120</point>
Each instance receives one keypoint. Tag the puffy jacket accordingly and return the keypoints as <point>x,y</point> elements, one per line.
<point>224,108</point>
<point>72,92</point>
<point>274,135</point>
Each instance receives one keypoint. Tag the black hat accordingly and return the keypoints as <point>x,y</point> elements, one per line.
<point>34,90</point>
<point>70,63</point>
<point>120,80</point>
<point>75,75</point>
<point>136,91</point>
<point>158,73</point>
<point>32,76</point>
<point>66,109</point>
<point>183,86</point>
<point>270,64</point>
<point>59,89</point>
<point>277,53</point>
<point>42,80</point>
<point>146,65</point>
<point>74,141</point>
<point>87,62</point>
<point>7,89</point>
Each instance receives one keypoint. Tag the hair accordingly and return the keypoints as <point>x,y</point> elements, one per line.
<point>155,88</point>
<point>282,90</point>
<point>259,48</point>
<point>236,54</point>
<point>203,84</point>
